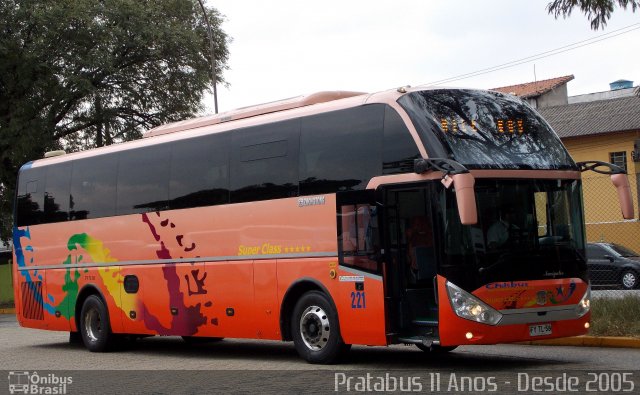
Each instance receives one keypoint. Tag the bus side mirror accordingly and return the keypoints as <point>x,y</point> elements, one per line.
<point>621,182</point>
<point>466,197</point>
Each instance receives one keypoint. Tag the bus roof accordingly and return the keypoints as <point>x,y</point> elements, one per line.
<point>246,117</point>
<point>252,111</point>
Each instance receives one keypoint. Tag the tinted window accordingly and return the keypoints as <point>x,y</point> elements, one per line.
<point>93,187</point>
<point>398,150</point>
<point>340,150</point>
<point>264,162</point>
<point>143,179</point>
<point>595,252</point>
<point>623,251</point>
<point>30,202</point>
<point>57,190</point>
<point>200,172</point>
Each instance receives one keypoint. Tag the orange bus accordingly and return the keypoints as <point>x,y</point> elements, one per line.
<point>434,217</point>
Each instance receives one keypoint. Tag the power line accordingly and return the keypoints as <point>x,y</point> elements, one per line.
<point>541,55</point>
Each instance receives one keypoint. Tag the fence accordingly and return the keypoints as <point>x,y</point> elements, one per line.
<point>613,243</point>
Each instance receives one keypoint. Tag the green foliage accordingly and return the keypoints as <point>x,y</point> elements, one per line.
<point>76,74</point>
<point>615,316</point>
<point>597,11</point>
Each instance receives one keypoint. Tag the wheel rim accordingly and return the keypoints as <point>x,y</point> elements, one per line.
<point>92,325</point>
<point>629,280</point>
<point>314,328</point>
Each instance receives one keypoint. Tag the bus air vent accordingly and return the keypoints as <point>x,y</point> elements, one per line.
<point>32,300</point>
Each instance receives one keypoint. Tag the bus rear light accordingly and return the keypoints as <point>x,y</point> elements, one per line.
<point>471,308</point>
<point>584,305</point>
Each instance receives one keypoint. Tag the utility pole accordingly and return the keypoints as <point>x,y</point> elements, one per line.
<point>213,58</point>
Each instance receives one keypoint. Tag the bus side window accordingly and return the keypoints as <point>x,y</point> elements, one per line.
<point>30,202</point>
<point>264,162</point>
<point>200,172</point>
<point>340,150</point>
<point>93,187</point>
<point>359,237</point>
<point>398,149</point>
<point>56,193</point>
<point>143,179</point>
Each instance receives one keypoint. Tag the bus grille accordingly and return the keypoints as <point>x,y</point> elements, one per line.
<point>32,300</point>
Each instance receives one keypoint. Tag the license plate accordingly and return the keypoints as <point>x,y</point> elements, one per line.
<point>539,330</point>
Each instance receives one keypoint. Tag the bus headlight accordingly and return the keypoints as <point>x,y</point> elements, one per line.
<point>471,308</point>
<point>584,305</point>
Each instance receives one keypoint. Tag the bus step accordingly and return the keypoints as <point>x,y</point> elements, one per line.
<point>419,340</point>
<point>425,322</point>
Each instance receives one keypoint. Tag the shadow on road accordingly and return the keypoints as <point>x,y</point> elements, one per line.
<point>396,357</point>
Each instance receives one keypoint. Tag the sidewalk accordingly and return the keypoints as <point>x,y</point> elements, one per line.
<point>590,341</point>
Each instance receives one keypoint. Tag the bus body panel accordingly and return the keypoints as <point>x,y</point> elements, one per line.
<point>361,316</point>
<point>182,297</point>
<point>453,330</point>
<point>266,304</point>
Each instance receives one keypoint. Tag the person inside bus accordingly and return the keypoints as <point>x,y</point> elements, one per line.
<point>420,248</point>
<point>500,231</point>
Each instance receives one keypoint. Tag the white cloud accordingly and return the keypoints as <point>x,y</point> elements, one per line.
<point>284,48</point>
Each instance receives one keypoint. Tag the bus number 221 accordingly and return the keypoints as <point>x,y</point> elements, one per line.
<point>358,301</point>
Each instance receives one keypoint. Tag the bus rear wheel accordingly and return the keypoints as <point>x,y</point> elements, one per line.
<point>94,325</point>
<point>316,334</point>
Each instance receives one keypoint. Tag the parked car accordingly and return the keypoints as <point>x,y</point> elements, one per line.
<point>613,265</point>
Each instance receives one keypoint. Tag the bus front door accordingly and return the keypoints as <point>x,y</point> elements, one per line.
<point>411,265</point>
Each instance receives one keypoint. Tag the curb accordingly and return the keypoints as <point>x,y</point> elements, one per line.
<point>590,341</point>
<point>8,311</point>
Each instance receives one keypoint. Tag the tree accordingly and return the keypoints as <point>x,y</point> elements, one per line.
<point>76,74</point>
<point>597,11</point>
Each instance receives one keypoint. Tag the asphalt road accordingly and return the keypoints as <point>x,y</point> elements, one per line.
<point>168,365</point>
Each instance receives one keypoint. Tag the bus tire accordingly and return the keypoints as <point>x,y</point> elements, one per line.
<point>315,329</point>
<point>94,325</point>
<point>435,349</point>
<point>194,340</point>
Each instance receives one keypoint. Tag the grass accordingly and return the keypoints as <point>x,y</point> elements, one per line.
<point>616,316</point>
<point>6,288</point>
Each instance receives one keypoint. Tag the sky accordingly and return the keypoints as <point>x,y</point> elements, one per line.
<point>286,48</point>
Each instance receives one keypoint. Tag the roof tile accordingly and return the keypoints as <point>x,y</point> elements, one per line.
<point>536,88</point>
<point>596,117</point>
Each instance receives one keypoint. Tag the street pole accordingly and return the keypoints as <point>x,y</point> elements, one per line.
<point>213,58</point>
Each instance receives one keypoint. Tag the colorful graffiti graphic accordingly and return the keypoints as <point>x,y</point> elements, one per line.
<point>82,245</point>
<point>190,317</point>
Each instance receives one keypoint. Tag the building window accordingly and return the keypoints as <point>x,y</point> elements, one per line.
<point>619,159</point>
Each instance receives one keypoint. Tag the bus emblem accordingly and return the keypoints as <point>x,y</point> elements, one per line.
<point>541,298</point>
<point>311,201</point>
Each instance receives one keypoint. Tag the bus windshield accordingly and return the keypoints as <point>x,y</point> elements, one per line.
<point>485,130</point>
<point>527,230</point>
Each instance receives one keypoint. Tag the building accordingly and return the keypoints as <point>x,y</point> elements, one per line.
<point>603,126</point>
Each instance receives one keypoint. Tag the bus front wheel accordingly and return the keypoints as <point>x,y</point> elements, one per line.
<point>316,334</point>
<point>94,325</point>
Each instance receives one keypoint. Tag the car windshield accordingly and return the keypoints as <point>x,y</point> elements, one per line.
<point>527,229</point>
<point>623,251</point>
